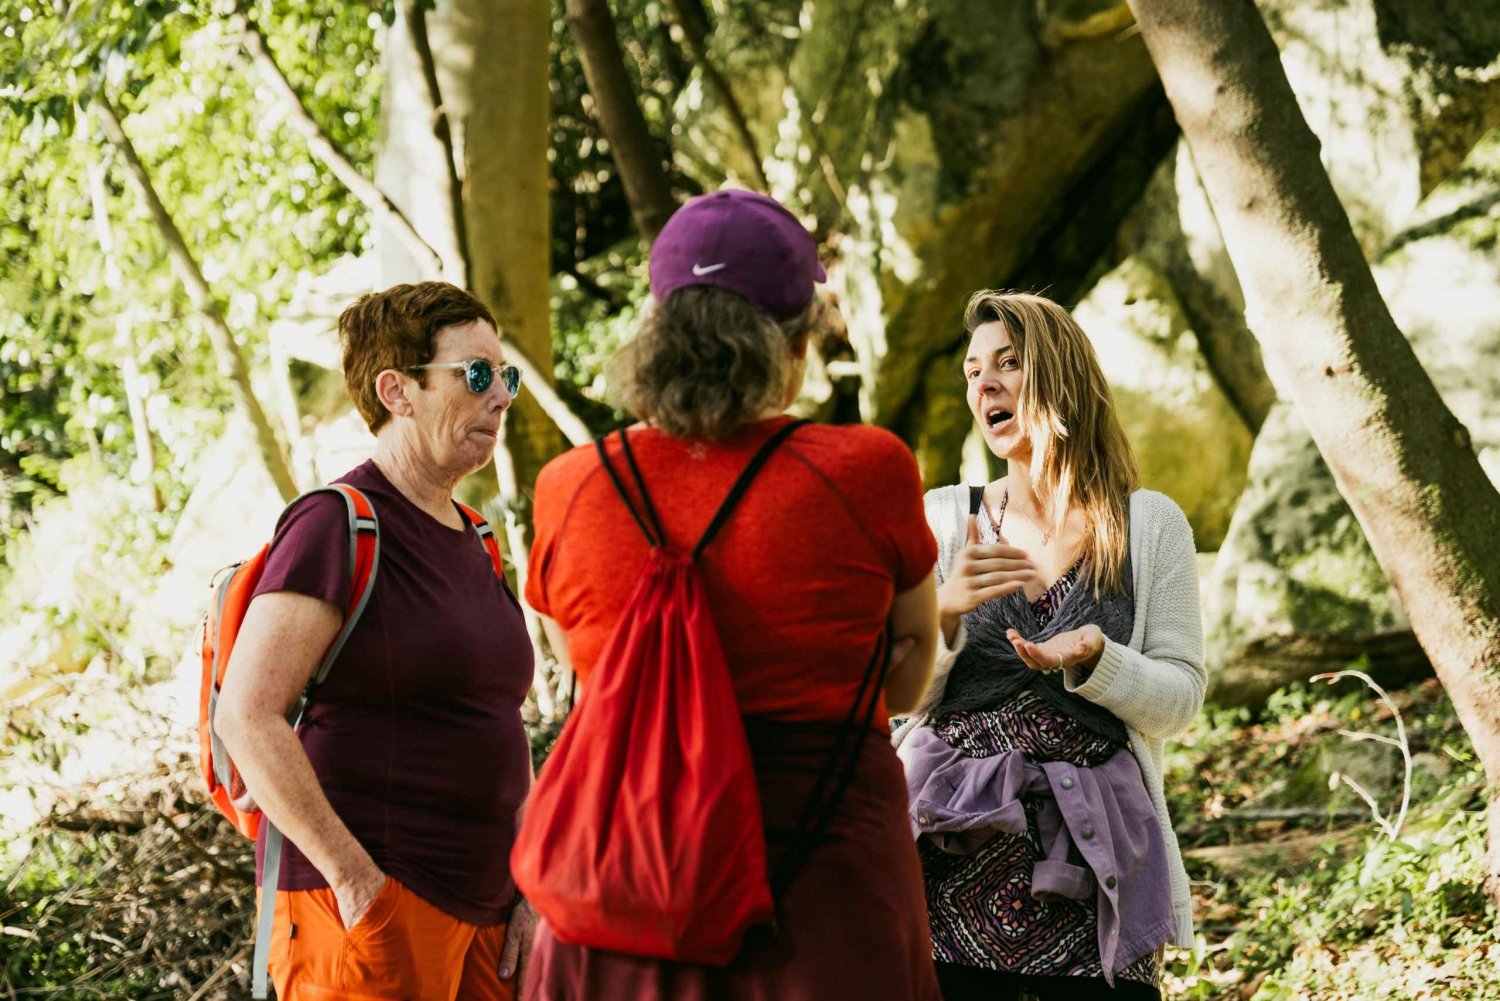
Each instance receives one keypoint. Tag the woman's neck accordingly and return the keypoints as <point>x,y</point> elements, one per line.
<point>418,481</point>
<point>1021,493</point>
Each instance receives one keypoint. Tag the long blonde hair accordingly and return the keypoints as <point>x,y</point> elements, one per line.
<point>1080,456</point>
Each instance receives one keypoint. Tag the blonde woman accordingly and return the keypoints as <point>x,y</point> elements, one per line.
<point>1072,647</point>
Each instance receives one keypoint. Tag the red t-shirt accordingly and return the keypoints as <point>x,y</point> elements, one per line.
<point>800,580</point>
<point>416,734</point>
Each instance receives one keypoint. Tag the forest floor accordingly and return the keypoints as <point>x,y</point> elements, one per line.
<point>131,888</point>
<point>1298,891</point>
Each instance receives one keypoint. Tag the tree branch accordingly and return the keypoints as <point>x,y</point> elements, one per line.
<point>231,361</point>
<point>379,204</point>
<point>545,394</point>
<point>540,387</point>
<point>415,16</point>
<point>695,31</point>
<point>647,187</point>
<point>143,469</point>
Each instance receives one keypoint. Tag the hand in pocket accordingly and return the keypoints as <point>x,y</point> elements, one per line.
<point>355,898</point>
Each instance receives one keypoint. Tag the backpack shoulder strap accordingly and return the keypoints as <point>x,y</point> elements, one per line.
<point>364,561</point>
<point>486,534</point>
<point>742,485</point>
<point>655,537</point>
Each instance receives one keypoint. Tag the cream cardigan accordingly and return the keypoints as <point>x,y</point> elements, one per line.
<point>1155,684</point>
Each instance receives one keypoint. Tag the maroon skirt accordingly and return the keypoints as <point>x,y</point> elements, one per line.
<point>852,923</point>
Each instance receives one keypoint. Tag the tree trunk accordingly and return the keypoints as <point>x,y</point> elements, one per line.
<point>1400,458</point>
<point>414,16</point>
<point>231,361</point>
<point>635,153</point>
<point>143,469</point>
<point>499,108</point>
<point>483,74</point>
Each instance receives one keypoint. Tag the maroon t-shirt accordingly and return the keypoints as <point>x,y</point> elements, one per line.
<point>416,733</point>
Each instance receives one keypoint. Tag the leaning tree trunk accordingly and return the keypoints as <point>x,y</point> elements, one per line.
<point>1400,458</point>
<point>647,187</point>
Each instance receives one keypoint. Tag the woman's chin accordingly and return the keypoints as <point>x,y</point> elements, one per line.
<point>1005,446</point>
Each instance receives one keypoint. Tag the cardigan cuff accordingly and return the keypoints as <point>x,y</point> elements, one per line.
<point>942,665</point>
<point>947,654</point>
<point>1091,684</point>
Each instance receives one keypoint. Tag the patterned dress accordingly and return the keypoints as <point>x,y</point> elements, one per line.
<point>980,905</point>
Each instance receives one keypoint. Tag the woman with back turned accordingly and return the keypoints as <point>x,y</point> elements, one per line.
<point>824,553</point>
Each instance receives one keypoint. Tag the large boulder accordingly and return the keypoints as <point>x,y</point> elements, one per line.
<point>1295,587</point>
<point>1167,398</point>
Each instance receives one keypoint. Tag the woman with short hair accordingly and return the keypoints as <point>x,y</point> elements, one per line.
<point>398,795</point>
<point>1072,647</point>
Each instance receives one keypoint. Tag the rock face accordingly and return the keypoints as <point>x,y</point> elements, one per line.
<point>1168,401</point>
<point>941,146</point>
<point>1295,586</point>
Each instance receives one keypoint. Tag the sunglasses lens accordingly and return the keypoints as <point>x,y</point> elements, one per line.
<point>511,376</point>
<point>480,376</point>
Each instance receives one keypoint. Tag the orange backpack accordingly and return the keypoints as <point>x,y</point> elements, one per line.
<point>215,641</point>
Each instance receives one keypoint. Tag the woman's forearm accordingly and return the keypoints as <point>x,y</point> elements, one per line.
<point>280,777</point>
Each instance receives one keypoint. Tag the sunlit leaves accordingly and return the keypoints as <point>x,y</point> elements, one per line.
<point>253,205</point>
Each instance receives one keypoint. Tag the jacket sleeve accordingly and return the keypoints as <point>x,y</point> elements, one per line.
<point>1158,690</point>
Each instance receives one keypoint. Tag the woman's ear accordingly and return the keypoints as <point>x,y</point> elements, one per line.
<point>391,391</point>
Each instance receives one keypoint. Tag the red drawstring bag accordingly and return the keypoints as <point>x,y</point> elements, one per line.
<point>643,834</point>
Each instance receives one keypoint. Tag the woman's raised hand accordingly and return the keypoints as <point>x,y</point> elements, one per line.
<point>981,572</point>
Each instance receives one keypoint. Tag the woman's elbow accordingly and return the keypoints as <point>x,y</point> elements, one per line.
<point>902,700</point>
<point>908,680</point>
<point>1175,715</point>
<point>235,719</point>
<point>230,726</point>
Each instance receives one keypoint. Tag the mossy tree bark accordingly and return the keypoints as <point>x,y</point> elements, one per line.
<point>1398,455</point>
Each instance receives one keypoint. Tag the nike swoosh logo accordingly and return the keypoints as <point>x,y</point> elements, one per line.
<point>699,270</point>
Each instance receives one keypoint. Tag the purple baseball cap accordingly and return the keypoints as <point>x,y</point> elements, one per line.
<point>741,241</point>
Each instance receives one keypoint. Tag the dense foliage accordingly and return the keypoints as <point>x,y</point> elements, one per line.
<point>83,269</point>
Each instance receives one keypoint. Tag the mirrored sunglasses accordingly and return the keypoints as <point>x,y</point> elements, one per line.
<point>480,375</point>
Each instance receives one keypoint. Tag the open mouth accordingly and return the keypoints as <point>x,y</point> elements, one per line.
<point>995,418</point>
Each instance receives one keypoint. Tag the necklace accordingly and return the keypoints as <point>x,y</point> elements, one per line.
<point>1005,502</point>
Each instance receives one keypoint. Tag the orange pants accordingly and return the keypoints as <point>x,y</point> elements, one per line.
<point>403,949</point>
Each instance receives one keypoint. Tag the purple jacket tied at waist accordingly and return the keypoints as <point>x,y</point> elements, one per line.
<point>1099,832</point>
